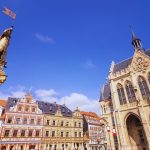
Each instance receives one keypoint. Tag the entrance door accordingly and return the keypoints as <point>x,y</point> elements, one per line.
<point>136,133</point>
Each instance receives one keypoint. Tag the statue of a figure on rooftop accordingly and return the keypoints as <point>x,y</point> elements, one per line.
<point>4,42</point>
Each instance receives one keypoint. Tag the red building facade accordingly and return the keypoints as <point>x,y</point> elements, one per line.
<point>22,126</point>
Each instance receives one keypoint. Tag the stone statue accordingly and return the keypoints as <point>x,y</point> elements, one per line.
<point>4,42</point>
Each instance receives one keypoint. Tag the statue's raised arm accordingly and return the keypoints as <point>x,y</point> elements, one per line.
<point>4,42</point>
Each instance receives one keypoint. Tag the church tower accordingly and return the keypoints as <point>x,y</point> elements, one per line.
<point>128,96</point>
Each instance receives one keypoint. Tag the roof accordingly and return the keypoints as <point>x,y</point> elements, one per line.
<point>105,92</point>
<point>90,114</point>
<point>3,103</point>
<point>47,108</point>
<point>51,108</point>
<point>124,64</point>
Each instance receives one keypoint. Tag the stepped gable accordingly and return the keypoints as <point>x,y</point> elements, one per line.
<point>51,108</point>
<point>105,92</point>
<point>124,64</point>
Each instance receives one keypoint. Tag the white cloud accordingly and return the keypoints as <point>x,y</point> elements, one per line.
<point>79,100</point>
<point>46,95</point>
<point>18,94</point>
<point>44,39</point>
<point>71,100</point>
<point>89,64</point>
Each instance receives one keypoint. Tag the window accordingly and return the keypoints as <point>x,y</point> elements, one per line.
<point>30,132</point>
<point>17,120</point>
<point>143,87</point>
<point>19,108</point>
<point>15,132</point>
<point>67,134</point>
<point>79,124</point>
<point>27,109</point>
<point>62,123</point>
<point>25,121</point>
<point>47,133</point>
<point>9,120</point>
<point>62,134</point>
<point>75,134</point>
<point>54,122</point>
<point>32,121</point>
<point>80,134</point>
<point>67,124</point>
<point>33,109</point>
<point>75,124</point>
<point>121,94</point>
<point>37,133</point>
<point>50,107</point>
<point>48,122</point>
<point>23,133</point>
<point>7,132</point>
<point>130,92</point>
<point>39,121</point>
<point>53,133</point>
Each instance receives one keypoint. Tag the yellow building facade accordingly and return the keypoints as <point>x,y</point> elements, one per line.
<point>125,101</point>
<point>63,129</point>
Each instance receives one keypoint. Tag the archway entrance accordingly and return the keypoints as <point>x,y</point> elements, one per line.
<point>136,133</point>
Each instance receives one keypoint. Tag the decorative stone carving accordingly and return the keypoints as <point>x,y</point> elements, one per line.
<point>140,63</point>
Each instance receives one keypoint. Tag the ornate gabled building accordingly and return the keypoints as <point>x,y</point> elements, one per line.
<point>23,124</point>
<point>94,129</point>
<point>63,129</point>
<point>125,101</point>
<point>2,112</point>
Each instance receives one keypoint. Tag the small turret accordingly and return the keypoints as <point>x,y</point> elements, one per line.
<point>136,42</point>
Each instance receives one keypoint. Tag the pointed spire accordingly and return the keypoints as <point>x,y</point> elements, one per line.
<point>136,42</point>
<point>133,36</point>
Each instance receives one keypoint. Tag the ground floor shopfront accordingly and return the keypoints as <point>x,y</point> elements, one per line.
<point>20,146</point>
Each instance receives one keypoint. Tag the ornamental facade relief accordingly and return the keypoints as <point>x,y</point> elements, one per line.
<point>140,62</point>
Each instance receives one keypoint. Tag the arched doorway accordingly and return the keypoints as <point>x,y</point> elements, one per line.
<point>136,133</point>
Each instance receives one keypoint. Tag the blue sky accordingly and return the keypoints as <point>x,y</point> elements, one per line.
<point>66,46</point>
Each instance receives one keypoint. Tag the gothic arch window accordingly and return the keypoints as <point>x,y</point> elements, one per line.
<point>121,94</point>
<point>149,77</point>
<point>143,87</point>
<point>130,92</point>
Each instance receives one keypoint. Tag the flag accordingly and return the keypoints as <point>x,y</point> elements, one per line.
<point>8,12</point>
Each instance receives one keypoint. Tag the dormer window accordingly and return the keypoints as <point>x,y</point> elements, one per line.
<point>50,108</point>
<point>63,110</point>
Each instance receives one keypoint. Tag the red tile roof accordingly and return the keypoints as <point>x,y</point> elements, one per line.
<point>3,103</point>
<point>90,114</point>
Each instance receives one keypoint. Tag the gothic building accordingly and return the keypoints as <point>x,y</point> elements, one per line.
<point>125,101</point>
